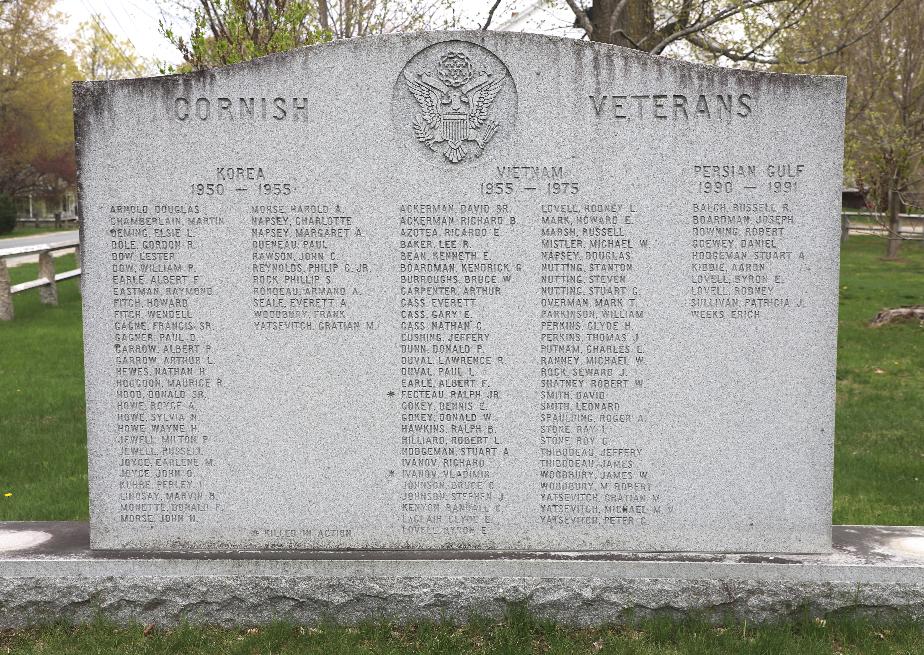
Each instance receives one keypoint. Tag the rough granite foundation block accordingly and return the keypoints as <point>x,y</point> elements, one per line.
<point>48,573</point>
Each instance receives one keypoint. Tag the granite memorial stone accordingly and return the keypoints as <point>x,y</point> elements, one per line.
<point>461,290</point>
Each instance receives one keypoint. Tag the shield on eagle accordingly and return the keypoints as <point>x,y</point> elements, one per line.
<point>455,101</point>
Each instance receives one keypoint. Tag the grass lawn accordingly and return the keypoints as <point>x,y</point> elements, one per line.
<point>879,478</point>
<point>43,452</point>
<point>879,455</point>
<point>519,633</point>
<point>879,446</point>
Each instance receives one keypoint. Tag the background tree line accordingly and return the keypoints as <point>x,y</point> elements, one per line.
<point>36,71</point>
<point>876,43</point>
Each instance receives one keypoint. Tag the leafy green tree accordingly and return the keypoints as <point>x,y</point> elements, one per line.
<point>101,56</point>
<point>36,125</point>
<point>344,19</point>
<point>885,96</point>
<point>876,43</point>
<point>231,31</point>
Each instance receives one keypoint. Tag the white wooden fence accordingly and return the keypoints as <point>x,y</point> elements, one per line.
<point>46,281</point>
<point>58,219</point>
<point>911,226</point>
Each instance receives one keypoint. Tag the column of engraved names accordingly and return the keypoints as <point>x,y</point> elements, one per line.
<point>591,465</point>
<point>163,359</point>
<point>302,274</point>
<point>741,222</point>
<point>449,443</point>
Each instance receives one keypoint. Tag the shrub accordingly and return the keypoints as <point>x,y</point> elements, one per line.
<point>7,214</point>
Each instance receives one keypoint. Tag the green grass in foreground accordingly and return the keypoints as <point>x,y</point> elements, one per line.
<point>43,436</point>
<point>519,633</point>
<point>879,445</point>
<point>879,455</point>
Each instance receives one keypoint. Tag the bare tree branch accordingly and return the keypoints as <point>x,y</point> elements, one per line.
<point>787,22</point>
<point>582,18</point>
<point>487,23</point>
<point>705,43</point>
<point>614,18</point>
<point>858,38</point>
<point>628,38</point>
<point>719,16</point>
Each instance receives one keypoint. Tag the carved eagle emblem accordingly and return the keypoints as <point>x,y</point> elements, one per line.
<point>455,104</point>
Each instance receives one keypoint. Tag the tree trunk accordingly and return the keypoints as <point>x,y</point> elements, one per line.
<point>895,240</point>
<point>632,26</point>
<point>323,15</point>
<point>886,316</point>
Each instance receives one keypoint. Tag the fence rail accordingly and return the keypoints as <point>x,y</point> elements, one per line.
<point>909,225</point>
<point>58,219</point>
<point>47,280</point>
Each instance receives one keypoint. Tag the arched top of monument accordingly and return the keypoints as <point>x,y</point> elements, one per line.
<point>585,59</point>
<point>483,287</point>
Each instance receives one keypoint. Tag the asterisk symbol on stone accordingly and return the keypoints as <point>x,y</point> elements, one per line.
<point>391,393</point>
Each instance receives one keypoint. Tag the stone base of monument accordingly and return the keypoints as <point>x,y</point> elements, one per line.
<point>48,573</point>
